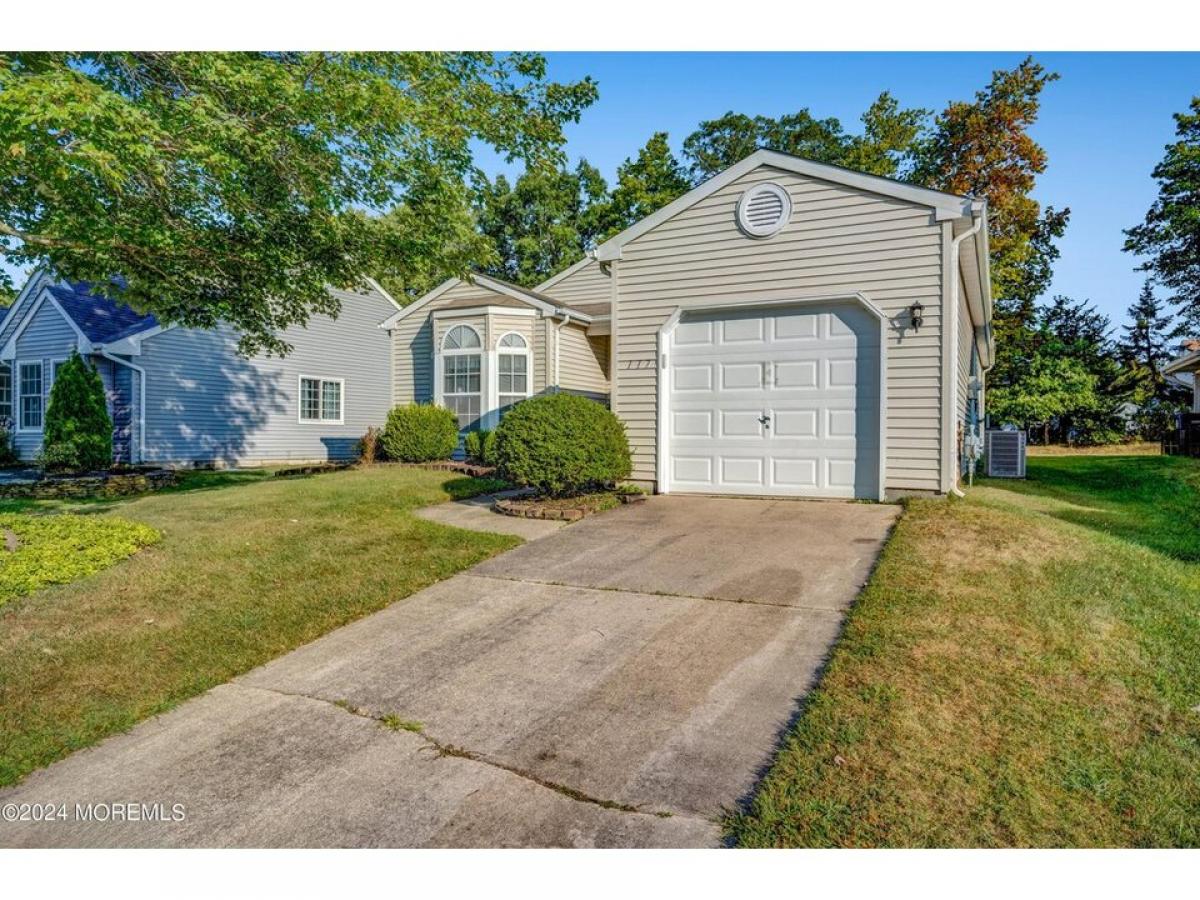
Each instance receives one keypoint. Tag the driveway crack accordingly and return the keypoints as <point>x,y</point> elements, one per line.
<point>442,748</point>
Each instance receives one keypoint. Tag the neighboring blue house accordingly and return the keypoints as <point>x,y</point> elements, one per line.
<point>183,396</point>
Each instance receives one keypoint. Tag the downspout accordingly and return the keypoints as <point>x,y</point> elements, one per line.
<point>557,343</point>
<point>141,397</point>
<point>954,244</point>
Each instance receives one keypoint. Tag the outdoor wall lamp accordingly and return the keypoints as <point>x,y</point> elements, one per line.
<point>916,314</point>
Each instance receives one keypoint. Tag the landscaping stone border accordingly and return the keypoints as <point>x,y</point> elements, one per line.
<point>313,469</point>
<point>447,465</point>
<point>530,509</point>
<point>100,484</point>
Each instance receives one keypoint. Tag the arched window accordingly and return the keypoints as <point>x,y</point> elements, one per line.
<point>512,370</point>
<point>461,381</point>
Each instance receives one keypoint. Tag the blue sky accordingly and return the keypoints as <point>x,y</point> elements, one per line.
<point>1104,123</point>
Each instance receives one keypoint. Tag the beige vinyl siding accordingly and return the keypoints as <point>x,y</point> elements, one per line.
<point>585,285</point>
<point>839,240</point>
<point>582,361</point>
<point>412,345</point>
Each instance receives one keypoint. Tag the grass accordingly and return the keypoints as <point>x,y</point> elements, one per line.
<point>1023,669</point>
<point>41,550</point>
<point>1135,448</point>
<point>248,567</point>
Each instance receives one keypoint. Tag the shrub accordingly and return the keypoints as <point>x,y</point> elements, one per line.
<point>562,444</point>
<point>368,447</point>
<point>8,453</point>
<point>78,430</point>
<point>480,446</point>
<point>420,433</point>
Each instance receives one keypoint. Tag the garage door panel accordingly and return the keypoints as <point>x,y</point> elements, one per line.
<point>693,378</point>
<point>798,374</point>
<point>741,376</point>
<point>742,471</point>
<point>737,423</point>
<point>779,403</point>
<point>795,423</point>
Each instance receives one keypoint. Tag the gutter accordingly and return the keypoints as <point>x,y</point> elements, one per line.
<point>953,318</point>
<point>99,349</point>
<point>558,343</point>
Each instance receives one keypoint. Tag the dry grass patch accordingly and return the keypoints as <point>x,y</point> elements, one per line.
<point>1017,673</point>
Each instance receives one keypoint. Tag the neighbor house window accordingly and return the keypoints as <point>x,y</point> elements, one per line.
<point>5,392</point>
<point>30,375</point>
<point>321,400</point>
<point>462,386</point>
<point>512,370</point>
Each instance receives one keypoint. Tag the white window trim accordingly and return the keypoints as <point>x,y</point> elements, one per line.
<point>492,415</point>
<point>11,397</point>
<point>19,395</point>
<point>300,379</point>
<point>439,357</point>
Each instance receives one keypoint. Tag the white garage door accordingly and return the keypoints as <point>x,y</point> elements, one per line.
<point>782,402</point>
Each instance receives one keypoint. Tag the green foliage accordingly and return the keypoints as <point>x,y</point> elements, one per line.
<point>238,186</point>
<point>645,185</point>
<point>8,453</point>
<point>543,223</point>
<point>420,433</point>
<point>78,429</point>
<point>480,446</point>
<point>562,444</point>
<point>885,146</point>
<point>61,548</point>
<point>1170,234</point>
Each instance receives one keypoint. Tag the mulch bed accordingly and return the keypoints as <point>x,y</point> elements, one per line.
<point>563,509</point>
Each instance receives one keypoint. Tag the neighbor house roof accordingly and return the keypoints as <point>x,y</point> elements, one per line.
<point>101,319</point>
<point>1189,362</point>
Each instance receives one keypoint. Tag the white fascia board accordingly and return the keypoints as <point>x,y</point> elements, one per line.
<point>375,285</point>
<point>1187,363</point>
<point>945,206</point>
<point>82,344</point>
<point>32,285</point>
<point>548,309</point>
<point>131,345</point>
<point>461,311</point>
<point>570,270</point>
<point>420,302</point>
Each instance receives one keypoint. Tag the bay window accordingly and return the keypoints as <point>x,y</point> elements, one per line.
<point>462,381</point>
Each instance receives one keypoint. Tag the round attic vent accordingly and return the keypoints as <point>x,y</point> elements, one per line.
<point>763,210</point>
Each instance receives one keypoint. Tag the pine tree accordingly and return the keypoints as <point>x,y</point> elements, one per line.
<point>78,430</point>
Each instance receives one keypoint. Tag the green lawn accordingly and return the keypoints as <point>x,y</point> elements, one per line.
<point>1022,670</point>
<point>248,567</point>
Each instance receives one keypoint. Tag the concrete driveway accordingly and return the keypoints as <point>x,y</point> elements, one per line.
<point>620,682</point>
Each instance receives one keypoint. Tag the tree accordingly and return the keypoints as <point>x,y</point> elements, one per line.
<point>544,222</point>
<point>644,185</point>
<point>232,186</point>
<point>983,149</point>
<point>1143,350</point>
<point>77,434</point>
<point>889,136</point>
<point>1170,234</point>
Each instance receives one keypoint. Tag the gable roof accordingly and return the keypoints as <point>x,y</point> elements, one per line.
<point>544,302</point>
<point>1188,362</point>
<point>945,206</point>
<point>101,319</point>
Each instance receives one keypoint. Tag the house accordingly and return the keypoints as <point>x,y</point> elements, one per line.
<point>1184,367</point>
<point>184,396</point>
<point>787,328</point>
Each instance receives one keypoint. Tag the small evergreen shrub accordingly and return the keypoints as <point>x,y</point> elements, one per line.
<point>77,436</point>
<point>562,444</point>
<point>420,433</point>
<point>8,453</point>
<point>480,446</point>
<point>368,446</point>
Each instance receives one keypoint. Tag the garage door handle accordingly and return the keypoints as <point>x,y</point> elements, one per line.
<point>764,420</point>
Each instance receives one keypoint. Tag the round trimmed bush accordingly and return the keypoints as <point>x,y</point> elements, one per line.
<point>419,433</point>
<point>562,444</point>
